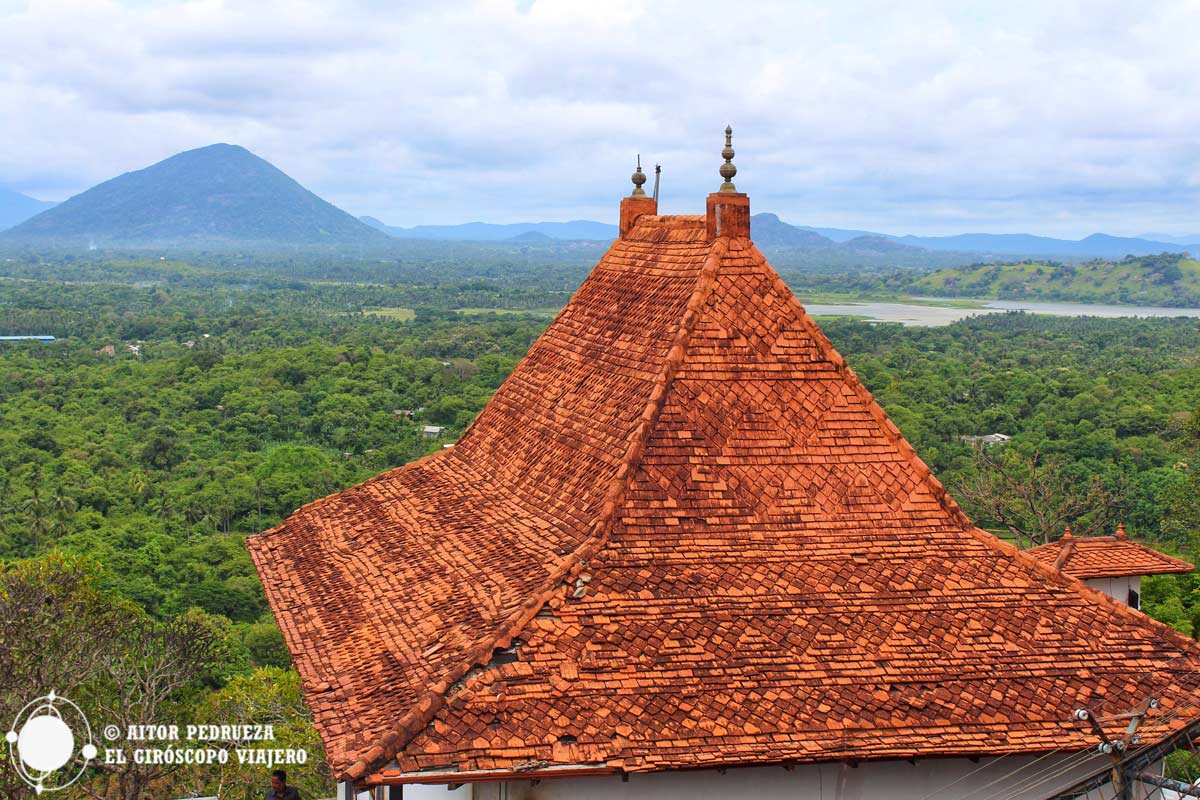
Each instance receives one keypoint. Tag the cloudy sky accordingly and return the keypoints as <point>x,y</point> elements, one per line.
<point>1062,118</point>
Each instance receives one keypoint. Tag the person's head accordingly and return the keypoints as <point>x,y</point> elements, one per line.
<point>278,780</point>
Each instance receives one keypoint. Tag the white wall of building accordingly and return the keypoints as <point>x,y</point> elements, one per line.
<point>999,778</point>
<point>419,792</point>
<point>1117,588</point>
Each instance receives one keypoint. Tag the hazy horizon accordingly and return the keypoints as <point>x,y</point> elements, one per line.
<point>927,118</point>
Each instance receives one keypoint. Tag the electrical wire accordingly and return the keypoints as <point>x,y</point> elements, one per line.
<point>1005,783</point>
<point>1023,781</point>
<point>1055,775</point>
<point>975,771</point>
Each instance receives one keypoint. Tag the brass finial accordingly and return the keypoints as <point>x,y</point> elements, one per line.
<point>638,179</point>
<point>728,170</point>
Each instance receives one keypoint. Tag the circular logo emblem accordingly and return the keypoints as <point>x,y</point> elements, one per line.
<point>50,743</point>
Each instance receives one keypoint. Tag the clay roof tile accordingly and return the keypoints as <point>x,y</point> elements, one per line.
<point>772,574</point>
<point>1107,557</point>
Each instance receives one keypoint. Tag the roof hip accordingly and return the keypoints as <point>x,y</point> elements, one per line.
<point>570,567</point>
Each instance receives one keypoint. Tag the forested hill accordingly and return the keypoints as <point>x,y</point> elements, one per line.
<point>220,194</point>
<point>1168,279</point>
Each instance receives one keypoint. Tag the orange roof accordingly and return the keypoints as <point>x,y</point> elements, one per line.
<point>701,543</point>
<point>1106,557</point>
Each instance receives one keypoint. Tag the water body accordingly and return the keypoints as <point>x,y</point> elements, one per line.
<point>931,316</point>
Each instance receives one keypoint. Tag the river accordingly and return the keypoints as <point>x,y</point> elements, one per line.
<point>931,316</point>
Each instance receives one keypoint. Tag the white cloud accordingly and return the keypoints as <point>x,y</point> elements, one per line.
<point>925,116</point>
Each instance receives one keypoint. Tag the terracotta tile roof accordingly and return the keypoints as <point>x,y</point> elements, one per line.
<point>702,543</point>
<point>1106,557</point>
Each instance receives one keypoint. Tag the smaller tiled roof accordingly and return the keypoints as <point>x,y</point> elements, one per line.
<point>1106,557</point>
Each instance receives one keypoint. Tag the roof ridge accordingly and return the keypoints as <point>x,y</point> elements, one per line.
<point>536,343</point>
<point>573,563</point>
<point>1065,551</point>
<point>662,382</point>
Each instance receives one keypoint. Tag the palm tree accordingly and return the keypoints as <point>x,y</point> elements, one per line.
<point>6,506</point>
<point>36,507</point>
<point>137,484</point>
<point>198,513</point>
<point>63,506</point>
<point>166,506</point>
<point>258,503</point>
<point>224,512</point>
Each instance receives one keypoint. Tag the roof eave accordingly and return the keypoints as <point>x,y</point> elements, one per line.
<point>395,777</point>
<point>1087,576</point>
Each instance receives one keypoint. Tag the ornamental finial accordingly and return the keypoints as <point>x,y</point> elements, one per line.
<point>638,179</point>
<point>728,170</point>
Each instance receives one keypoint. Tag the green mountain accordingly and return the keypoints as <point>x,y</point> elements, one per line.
<point>215,196</point>
<point>1168,279</point>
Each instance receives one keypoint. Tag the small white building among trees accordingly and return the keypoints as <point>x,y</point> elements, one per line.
<point>1113,564</point>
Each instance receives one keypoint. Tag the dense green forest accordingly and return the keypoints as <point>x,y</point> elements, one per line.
<point>1163,280</point>
<point>185,407</point>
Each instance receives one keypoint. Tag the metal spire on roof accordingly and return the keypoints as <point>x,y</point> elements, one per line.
<point>728,170</point>
<point>638,179</point>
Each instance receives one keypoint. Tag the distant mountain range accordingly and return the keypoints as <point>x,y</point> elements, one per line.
<point>489,232</point>
<point>841,234</point>
<point>1167,237</point>
<point>770,231</point>
<point>792,246</point>
<point>1098,245</point>
<point>15,207</point>
<point>215,195</point>
<point>224,195</point>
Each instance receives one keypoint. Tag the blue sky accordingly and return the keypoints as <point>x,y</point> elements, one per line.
<point>1060,118</point>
